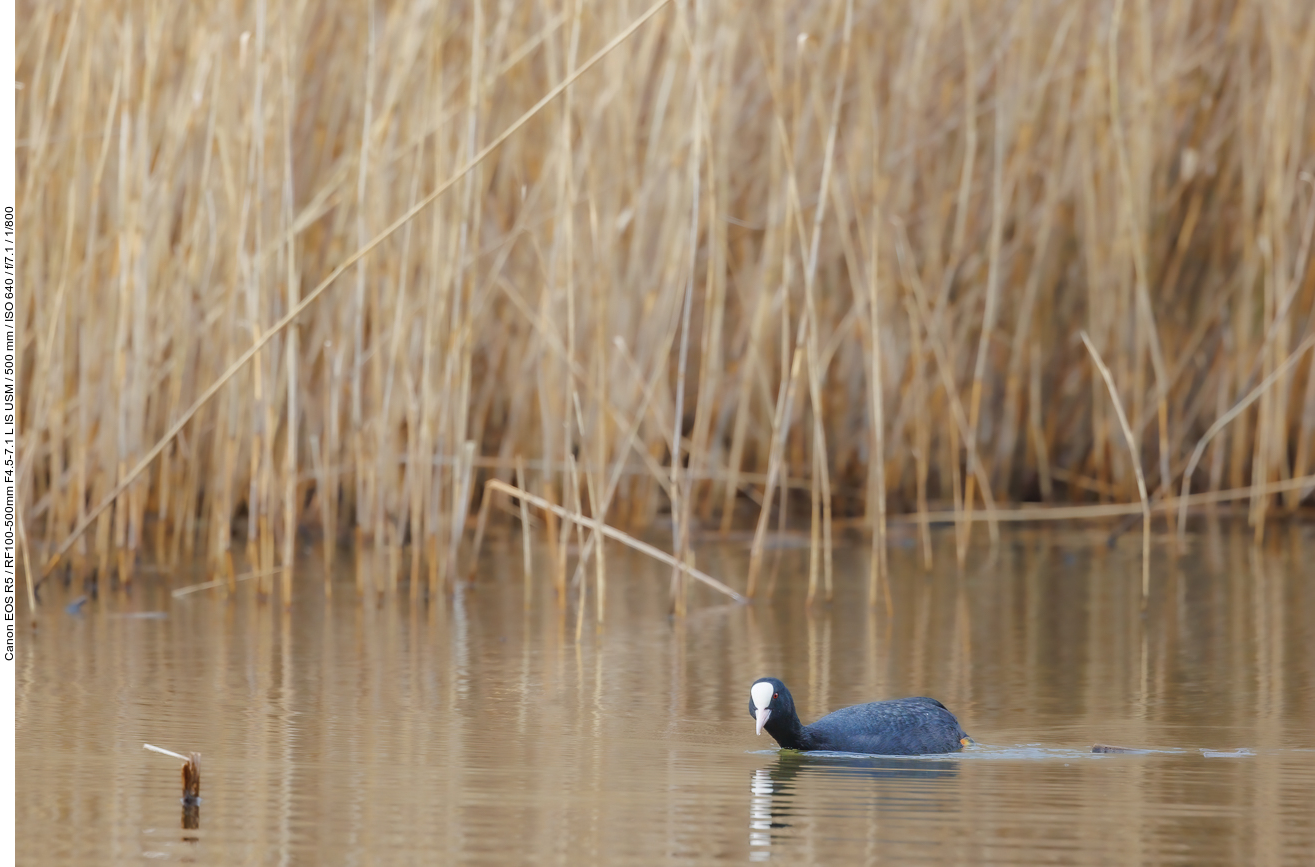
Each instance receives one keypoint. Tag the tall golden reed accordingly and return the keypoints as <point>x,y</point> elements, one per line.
<point>708,246</point>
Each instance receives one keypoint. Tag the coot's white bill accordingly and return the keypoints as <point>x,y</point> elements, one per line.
<point>762,693</point>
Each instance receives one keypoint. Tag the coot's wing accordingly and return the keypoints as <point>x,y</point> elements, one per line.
<point>904,727</point>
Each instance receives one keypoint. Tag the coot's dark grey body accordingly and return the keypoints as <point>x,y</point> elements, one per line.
<point>903,727</point>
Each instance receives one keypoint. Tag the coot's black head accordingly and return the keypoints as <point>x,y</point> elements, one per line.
<point>769,699</point>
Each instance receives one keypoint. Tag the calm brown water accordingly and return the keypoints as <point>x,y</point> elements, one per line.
<point>474,732</point>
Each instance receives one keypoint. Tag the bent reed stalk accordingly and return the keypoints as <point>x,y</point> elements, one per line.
<point>642,279</point>
<point>1136,465</point>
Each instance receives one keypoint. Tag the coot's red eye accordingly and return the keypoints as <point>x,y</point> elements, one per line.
<point>776,695</point>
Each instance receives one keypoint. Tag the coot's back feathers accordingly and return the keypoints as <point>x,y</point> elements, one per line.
<point>903,727</point>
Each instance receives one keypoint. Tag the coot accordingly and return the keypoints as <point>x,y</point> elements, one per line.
<point>903,727</point>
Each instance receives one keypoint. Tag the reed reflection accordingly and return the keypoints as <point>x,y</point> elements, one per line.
<point>835,786</point>
<point>191,820</point>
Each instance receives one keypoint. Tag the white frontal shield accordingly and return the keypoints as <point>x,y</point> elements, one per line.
<point>761,694</point>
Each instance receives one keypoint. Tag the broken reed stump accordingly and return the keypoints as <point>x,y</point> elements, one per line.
<point>191,773</point>
<point>1108,748</point>
<point>192,779</point>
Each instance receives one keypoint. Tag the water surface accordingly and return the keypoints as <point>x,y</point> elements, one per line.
<point>474,731</point>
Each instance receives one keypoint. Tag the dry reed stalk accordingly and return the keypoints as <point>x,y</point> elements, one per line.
<point>613,533</point>
<point>1034,426</point>
<point>424,477</point>
<point>30,578</point>
<point>481,523</point>
<point>361,500</point>
<point>460,505</point>
<point>574,500</point>
<point>1133,201</point>
<point>562,267</point>
<point>945,366</point>
<point>711,422</point>
<point>684,449</point>
<point>617,469</point>
<point>678,505</point>
<point>598,504</point>
<point>864,281</point>
<point>1301,461</point>
<point>1136,462</point>
<point>951,467</point>
<point>1000,194</point>
<point>527,563</point>
<point>322,495</point>
<point>785,398</point>
<point>583,586</point>
<point>680,496</point>
<point>922,433</point>
<point>792,356</point>
<point>879,568</point>
<point>210,585</point>
<point>821,472</point>
<point>791,360</point>
<point>600,564</point>
<point>1299,271</point>
<point>559,538</point>
<point>1227,417</point>
<point>750,364</point>
<point>1022,341</point>
<point>292,287</point>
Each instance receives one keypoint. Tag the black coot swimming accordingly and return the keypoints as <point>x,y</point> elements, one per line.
<point>903,727</point>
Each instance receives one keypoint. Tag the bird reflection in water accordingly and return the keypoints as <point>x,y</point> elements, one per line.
<point>760,815</point>
<point>895,784</point>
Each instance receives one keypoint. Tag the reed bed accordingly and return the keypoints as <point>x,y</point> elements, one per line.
<point>765,263</point>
